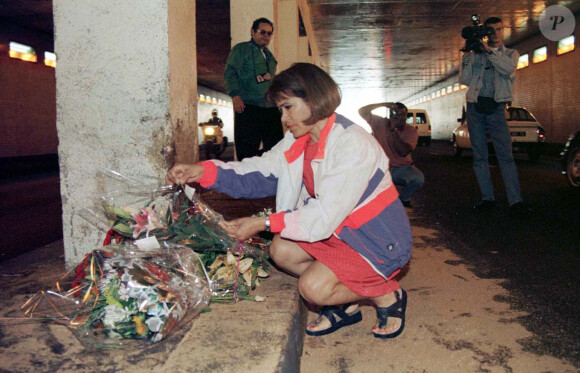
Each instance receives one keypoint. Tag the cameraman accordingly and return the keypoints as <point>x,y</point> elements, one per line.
<point>489,71</point>
<point>398,140</point>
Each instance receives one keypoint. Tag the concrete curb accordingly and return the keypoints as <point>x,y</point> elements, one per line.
<point>292,351</point>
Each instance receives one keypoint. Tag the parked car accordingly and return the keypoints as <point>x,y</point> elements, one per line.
<point>419,119</point>
<point>571,160</point>
<point>527,133</point>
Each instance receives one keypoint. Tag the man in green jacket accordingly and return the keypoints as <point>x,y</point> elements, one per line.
<point>249,70</point>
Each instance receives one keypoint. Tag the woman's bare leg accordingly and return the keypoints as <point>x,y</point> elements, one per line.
<point>320,286</point>
<point>289,256</point>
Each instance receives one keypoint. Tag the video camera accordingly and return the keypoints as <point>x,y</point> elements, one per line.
<point>475,35</point>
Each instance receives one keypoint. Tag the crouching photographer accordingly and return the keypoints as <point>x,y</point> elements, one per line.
<point>488,68</point>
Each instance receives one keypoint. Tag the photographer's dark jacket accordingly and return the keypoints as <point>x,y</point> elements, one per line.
<point>504,61</point>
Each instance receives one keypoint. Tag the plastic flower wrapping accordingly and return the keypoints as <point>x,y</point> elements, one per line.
<point>123,296</point>
<point>164,259</point>
<point>148,214</point>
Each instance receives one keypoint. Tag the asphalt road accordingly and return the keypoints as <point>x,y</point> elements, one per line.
<point>538,257</point>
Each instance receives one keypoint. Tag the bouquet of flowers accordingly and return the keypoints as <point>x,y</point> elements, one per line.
<point>149,214</point>
<point>170,258</point>
<point>122,295</point>
<point>138,211</point>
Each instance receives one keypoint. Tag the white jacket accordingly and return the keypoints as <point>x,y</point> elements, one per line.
<point>354,195</point>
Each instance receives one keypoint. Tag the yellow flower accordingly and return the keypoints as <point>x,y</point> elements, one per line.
<point>139,326</point>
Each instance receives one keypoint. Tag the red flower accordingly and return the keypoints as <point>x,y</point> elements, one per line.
<point>80,274</point>
<point>146,220</point>
<point>109,237</point>
<point>161,274</point>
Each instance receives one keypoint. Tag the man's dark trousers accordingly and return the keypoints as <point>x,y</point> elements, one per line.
<point>255,125</point>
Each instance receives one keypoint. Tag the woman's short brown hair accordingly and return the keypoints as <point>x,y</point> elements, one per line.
<point>310,83</point>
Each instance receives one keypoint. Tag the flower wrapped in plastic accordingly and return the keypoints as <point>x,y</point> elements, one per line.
<point>129,209</point>
<point>123,296</point>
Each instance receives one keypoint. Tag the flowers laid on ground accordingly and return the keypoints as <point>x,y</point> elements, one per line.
<point>234,277</point>
<point>122,296</point>
<point>168,215</point>
<point>197,226</point>
<point>165,257</point>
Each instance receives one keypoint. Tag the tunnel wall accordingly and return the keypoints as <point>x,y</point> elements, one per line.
<point>549,89</point>
<point>27,96</point>
<point>28,103</point>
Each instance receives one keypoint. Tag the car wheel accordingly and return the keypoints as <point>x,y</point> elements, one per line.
<point>456,149</point>
<point>534,153</point>
<point>573,167</point>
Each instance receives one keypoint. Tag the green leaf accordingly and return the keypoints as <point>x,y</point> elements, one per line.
<point>123,214</point>
<point>168,217</point>
<point>123,228</point>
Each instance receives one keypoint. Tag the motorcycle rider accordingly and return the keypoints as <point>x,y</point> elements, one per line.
<point>215,119</point>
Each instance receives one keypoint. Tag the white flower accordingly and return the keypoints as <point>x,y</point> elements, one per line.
<point>135,290</point>
<point>178,311</point>
<point>113,314</point>
<point>146,298</point>
<point>108,280</point>
<point>154,323</point>
<point>123,293</point>
<point>157,337</point>
<point>159,309</point>
<point>126,277</point>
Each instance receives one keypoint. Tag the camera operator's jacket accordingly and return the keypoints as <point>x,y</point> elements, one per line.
<point>504,61</point>
<point>355,198</point>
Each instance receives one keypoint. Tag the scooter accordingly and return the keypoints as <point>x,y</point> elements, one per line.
<point>214,139</point>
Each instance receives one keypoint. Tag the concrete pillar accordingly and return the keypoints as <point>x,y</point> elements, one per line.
<point>126,89</point>
<point>287,19</point>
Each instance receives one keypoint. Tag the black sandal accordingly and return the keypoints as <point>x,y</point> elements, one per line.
<point>396,310</point>
<point>330,312</point>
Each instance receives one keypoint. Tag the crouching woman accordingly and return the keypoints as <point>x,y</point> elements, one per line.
<point>339,225</point>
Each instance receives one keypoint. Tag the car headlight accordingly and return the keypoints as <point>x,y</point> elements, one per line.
<point>209,131</point>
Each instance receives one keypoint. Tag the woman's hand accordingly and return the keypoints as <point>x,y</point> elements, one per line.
<point>244,228</point>
<point>183,173</point>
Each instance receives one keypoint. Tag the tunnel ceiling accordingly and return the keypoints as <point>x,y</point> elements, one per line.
<point>394,48</point>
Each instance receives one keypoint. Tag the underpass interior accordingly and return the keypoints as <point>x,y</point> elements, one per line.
<point>377,51</point>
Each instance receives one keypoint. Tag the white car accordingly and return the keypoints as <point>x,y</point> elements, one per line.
<point>419,119</point>
<point>527,133</point>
